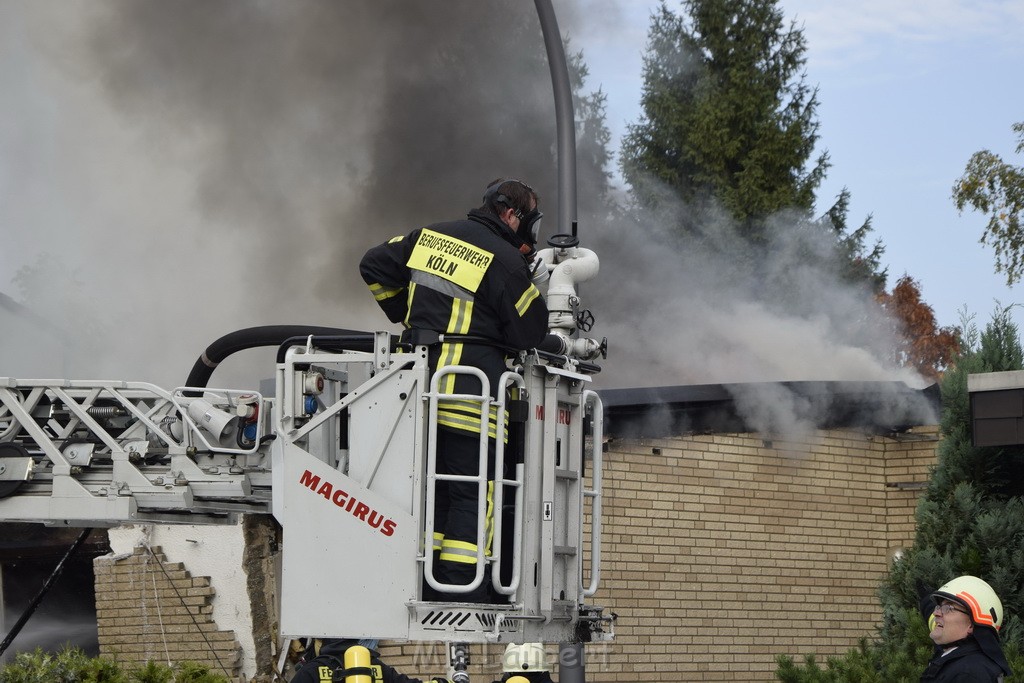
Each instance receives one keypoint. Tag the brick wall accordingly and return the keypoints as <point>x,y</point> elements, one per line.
<point>719,553</point>
<point>150,609</point>
<point>722,551</point>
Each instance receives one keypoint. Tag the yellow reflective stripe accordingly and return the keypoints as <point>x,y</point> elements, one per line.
<point>450,259</point>
<point>489,533</point>
<point>438,539</point>
<point>465,552</point>
<point>469,420</point>
<point>464,423</point>
<point>380,292</point>
<point>471,426</point>
<point>396,239</point>
<point>451,353</point>
<point>526,299</point>
<point>469,410</point>
<point>469,406</point>
<point>461,316</point>
<point>458,551</point>
<point>408,303</point>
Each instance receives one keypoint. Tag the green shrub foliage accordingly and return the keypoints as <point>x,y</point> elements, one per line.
<point>72,665</point>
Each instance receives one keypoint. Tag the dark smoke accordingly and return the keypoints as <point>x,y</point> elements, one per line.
<point>243,156</point>
<point>204,167</point>
<point>336,125</point>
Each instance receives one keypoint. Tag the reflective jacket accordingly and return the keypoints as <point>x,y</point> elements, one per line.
<point>464,278</point>
<point>966,664</point>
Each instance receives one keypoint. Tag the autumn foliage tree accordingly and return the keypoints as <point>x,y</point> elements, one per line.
<point>921,343</point>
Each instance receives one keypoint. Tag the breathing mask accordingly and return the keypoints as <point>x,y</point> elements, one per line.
<point>529,222</point>
<point>529,228</point>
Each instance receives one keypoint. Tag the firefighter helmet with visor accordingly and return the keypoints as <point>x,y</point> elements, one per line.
<point>977,596</point>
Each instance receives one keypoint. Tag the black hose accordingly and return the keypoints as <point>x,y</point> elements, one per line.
<point>553,344</point>
<point>250,338</point>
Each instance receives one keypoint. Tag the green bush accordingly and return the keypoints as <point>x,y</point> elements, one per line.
<point>72,665</point>
<point>894,660</point>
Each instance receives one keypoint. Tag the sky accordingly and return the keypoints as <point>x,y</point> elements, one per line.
<point>908,91</point>
<point>197,168</point>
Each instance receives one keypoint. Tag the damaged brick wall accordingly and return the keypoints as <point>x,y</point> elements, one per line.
<point>150,609</point>
<point>261,565</point>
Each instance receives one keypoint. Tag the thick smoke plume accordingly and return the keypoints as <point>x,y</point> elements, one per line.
<point>189,169</point>
<point>175,171</point>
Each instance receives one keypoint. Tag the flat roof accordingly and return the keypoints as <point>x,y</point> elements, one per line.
<point>767,407</point>
<point>996,381</point>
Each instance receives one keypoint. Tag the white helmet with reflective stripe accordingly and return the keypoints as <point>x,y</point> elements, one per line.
<point>977,596</point>
<point>524,658</point>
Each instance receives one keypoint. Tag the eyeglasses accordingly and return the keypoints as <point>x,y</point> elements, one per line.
<point>947,607</point>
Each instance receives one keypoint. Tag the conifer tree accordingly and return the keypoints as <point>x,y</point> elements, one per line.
<point>729,128</point>
<point>971,518</point>
<point>727,113</point>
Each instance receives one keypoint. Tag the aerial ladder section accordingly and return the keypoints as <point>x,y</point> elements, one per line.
<point>343,455</point>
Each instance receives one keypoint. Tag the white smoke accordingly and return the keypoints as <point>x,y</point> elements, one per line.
<point>703,314</point>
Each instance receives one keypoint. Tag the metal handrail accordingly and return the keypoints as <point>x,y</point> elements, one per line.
<point>499,498</point>
<point>434,396</point>
<point>592,399</point>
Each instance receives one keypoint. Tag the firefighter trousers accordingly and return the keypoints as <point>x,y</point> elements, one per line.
<point>455,513</point>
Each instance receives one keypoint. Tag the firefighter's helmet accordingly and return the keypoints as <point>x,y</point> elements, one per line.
<point>524,658</point>
<point>977,596</point>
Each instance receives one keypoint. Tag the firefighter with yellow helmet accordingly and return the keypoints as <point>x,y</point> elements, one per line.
<point>525,663</point>
<point>965,622</point>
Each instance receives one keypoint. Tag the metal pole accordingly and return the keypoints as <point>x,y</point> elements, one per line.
<point>571,667</point>
<point>16,629</point>
<point>564,117</point>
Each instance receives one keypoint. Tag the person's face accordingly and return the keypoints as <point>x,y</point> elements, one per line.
<point>511,217</point>
<point>952,622</point>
